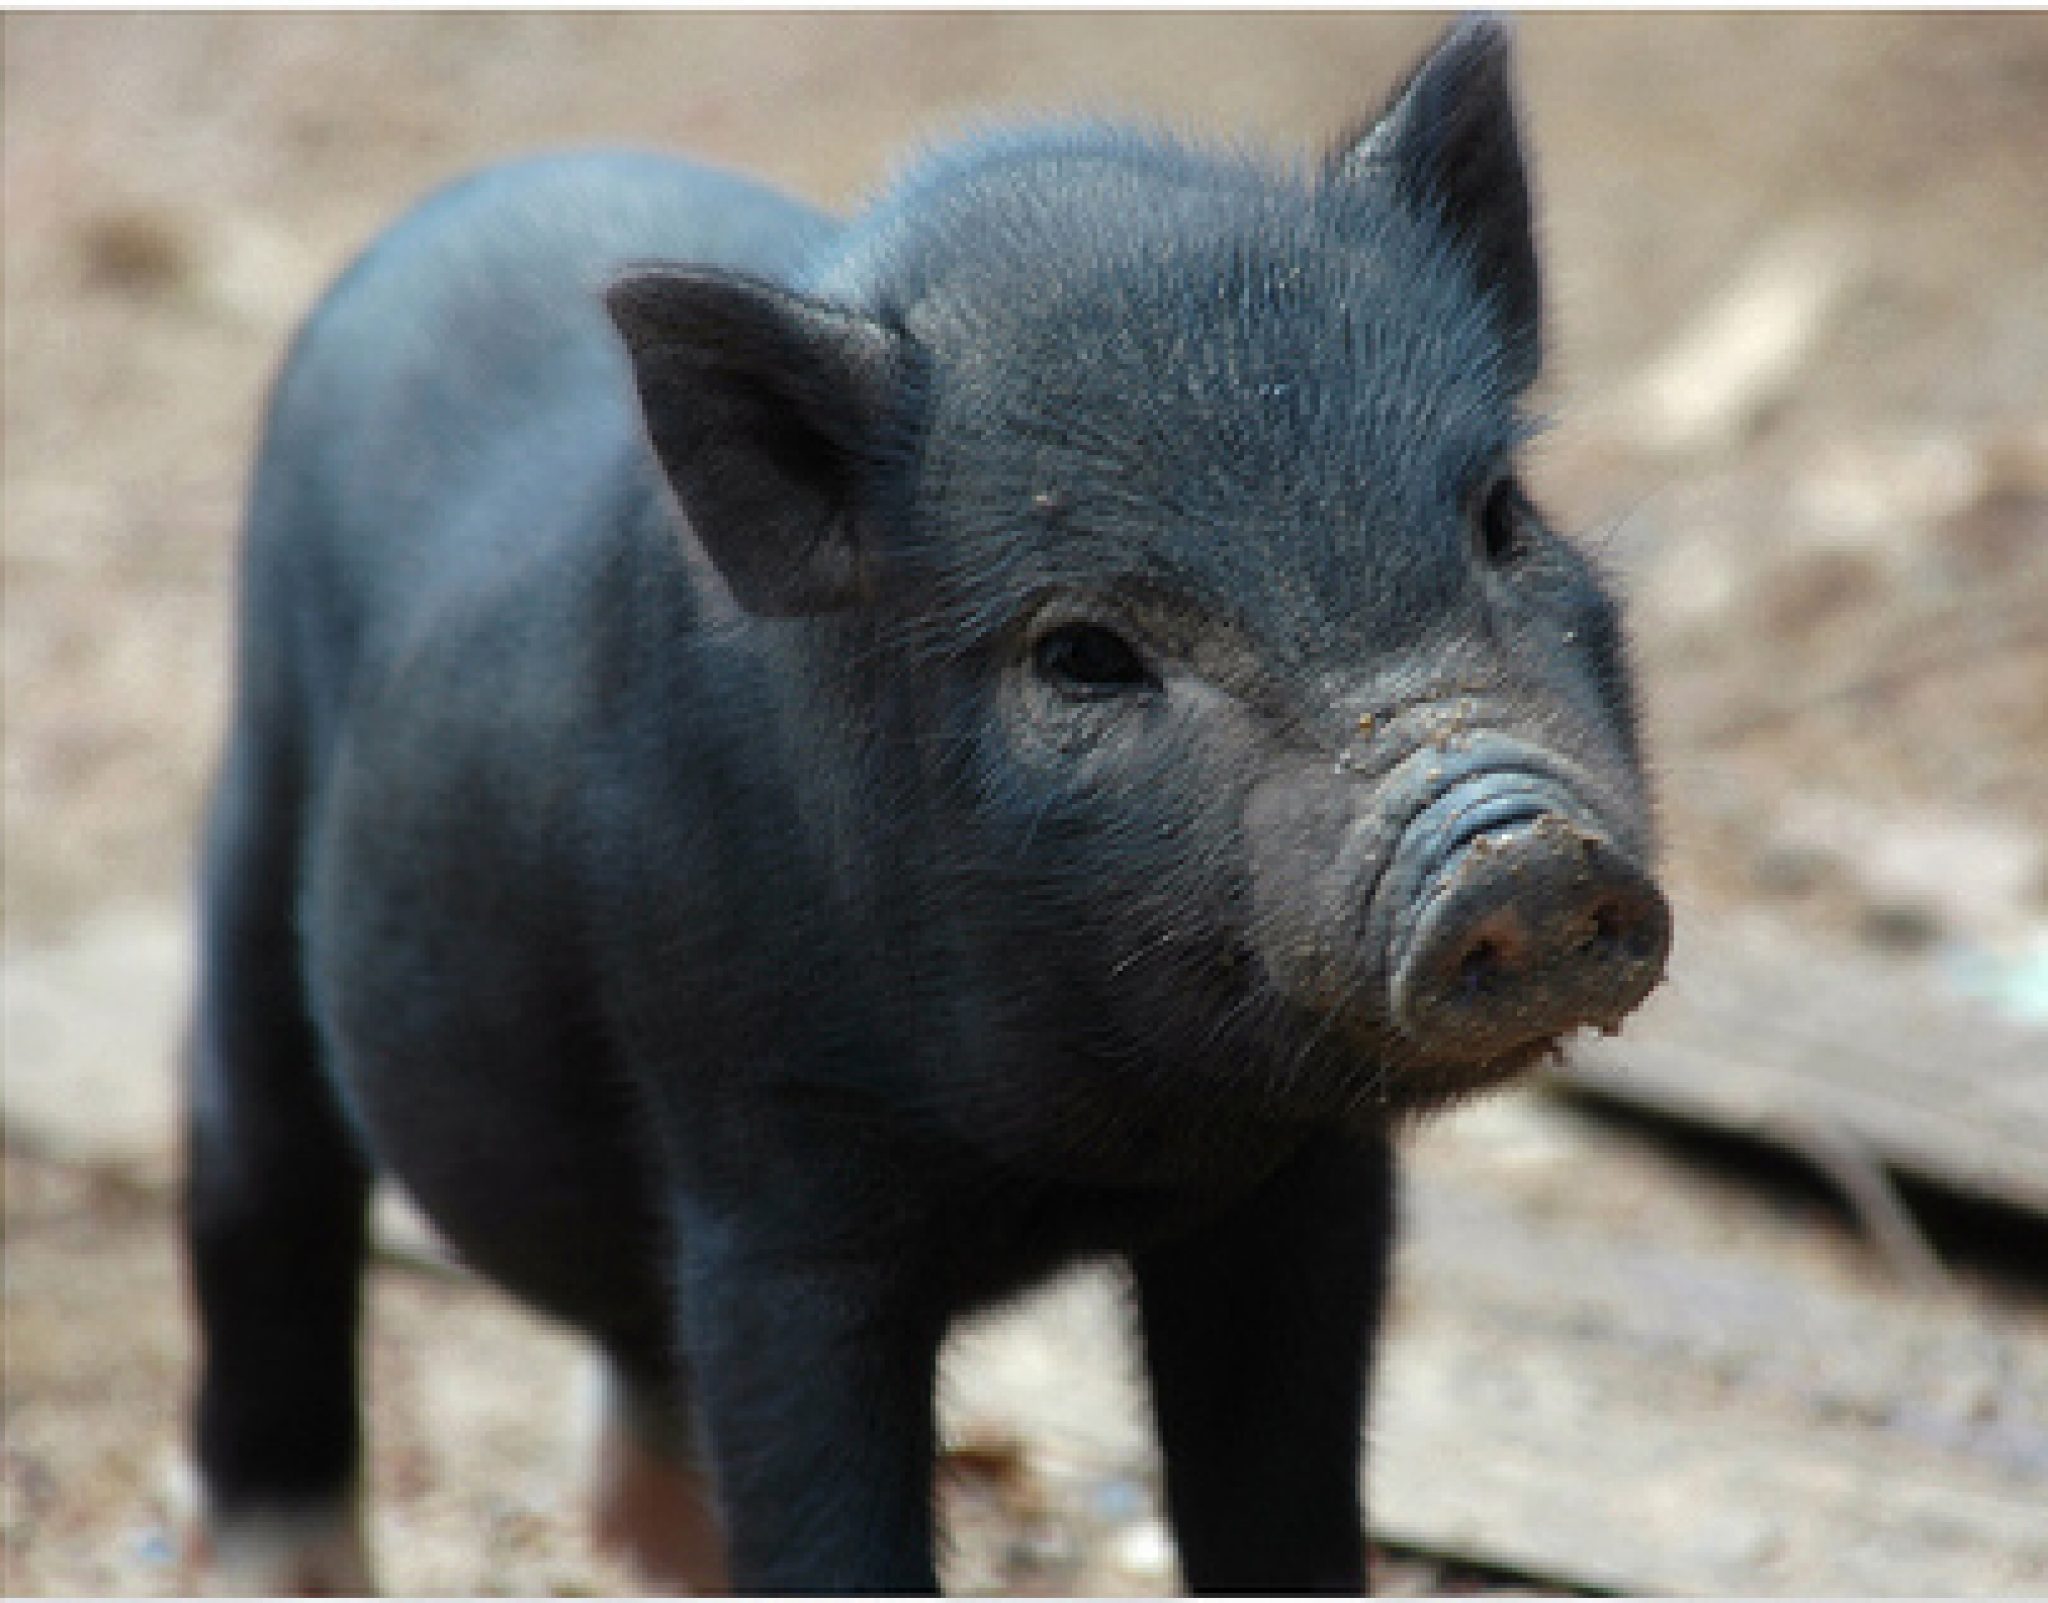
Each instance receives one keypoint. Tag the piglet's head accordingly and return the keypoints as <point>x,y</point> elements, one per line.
<point>1272,744</point>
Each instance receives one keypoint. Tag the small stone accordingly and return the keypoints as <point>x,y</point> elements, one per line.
<point>138,250</point>
<point>1143,1551</point>
<point>1899,927</point>
<point>1793,868</point>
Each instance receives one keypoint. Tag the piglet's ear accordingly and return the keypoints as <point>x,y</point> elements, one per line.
<point>1448,141</point>
<point>764,408</point>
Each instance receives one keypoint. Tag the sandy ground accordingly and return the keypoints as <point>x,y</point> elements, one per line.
<point>1801,385</point>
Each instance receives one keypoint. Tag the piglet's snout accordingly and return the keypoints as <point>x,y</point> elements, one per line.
<point>1520,924</point>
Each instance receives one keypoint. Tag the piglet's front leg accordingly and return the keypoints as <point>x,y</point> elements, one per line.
<point>1258,1334</point>
<point>815,1378</point>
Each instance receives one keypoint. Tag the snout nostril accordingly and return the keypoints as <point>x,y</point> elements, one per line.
<point>1614,932</point>
<point>1606,930</point>
<point>1495,956</point>
<point>1482,968</point>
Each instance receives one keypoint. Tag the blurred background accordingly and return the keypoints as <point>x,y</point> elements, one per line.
<point>1754,1299</point>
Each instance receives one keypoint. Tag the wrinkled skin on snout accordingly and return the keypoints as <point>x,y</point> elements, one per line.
<point>1485,897</point>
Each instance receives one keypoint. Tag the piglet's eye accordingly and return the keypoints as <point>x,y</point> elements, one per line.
<point>1088,661</point>
<point>1501,531</point>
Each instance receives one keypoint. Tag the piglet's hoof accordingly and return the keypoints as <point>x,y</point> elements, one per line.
<point>310,1553</point>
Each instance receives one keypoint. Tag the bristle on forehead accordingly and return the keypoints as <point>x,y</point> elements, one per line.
<point>1228,364</point>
